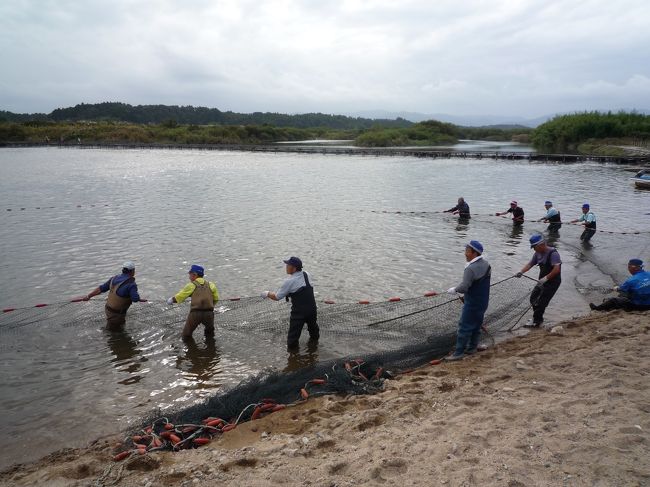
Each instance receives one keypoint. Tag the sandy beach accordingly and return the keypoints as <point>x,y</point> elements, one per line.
<point>566,408</point>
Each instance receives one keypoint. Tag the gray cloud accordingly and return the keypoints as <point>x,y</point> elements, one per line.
<point>507,57</point>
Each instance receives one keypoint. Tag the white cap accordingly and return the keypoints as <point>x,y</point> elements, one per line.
<point>128,265</point>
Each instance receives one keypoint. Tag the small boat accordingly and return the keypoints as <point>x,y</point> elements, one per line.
<point>642,179</point>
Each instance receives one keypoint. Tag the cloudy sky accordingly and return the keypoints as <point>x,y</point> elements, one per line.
<point>467,57</point>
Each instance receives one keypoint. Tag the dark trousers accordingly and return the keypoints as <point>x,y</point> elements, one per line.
<point>541,297</point>
<point>587,234</point>
<point>469,330</point>
<point>196,318</point>
<point>297,323</point>
<point>114,321</point>
<point>621,303</point>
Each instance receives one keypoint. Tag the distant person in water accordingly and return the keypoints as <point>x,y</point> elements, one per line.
<point>122,292</point>
<point>588,220</point>
<point>475,288</point>
<point>552,217</point>
<point>517,213</point>
<point>461,209</point>
<point>634,293</point>
<point>299,290</point>
<point>203,296</point>
<point>550,277</point>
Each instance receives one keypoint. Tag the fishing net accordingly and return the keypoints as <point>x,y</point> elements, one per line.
<point>367,342</point>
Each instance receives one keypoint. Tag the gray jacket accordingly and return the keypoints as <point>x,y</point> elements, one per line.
<point>473,272</point>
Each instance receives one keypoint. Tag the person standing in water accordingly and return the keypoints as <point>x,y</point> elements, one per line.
<point>475,288</point>
<point>122,292</point>
<point>552,216</point>
<point>204,295</point>
<point>299,290</point>
<point>517,213</point>
<point>461,209</point>
<point>550,277</point>
<point>588,220</point>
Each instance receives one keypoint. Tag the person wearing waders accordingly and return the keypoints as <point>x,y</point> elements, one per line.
<point>299,290</point>
<point>475,289</point>
<point>122,292</point>
<point>203,295</point>
<point>461,209</point>
<point>517,213</point>
<point>552,217</point>
<point>550,277</point>
<point>588,220</point>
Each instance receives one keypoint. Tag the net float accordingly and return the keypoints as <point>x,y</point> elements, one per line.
<point>188,429</point>
<point>201,441</point>
<point>228,427</point>
<point>318,381</point>
<point>278,407</point>
<point>174,439</point>
<point>267,407</point>
<point>169,426</point>
<point>435,362</point>
<point>394,300</point>
<point>364,302</point>
<point>121,456</point>
<point>304,394</point>
<point>256,413</point>
<point>215,422</point>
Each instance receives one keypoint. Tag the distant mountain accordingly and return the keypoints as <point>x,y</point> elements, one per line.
<point>465,121</point>
<point>475,121</point>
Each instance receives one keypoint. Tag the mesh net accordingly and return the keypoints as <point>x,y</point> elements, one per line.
<point>386,338</point>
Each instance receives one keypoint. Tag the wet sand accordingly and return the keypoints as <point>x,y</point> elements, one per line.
<point>567,408</point>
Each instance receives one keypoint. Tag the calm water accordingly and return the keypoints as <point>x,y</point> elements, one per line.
<point>239,214</point>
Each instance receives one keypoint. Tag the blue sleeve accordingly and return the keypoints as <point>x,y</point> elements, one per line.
<point>133,293</point>
<point>105,287</point>
<point>285,289</point>
<point>627,285</point>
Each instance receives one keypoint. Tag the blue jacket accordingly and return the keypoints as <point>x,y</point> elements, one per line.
<point>130,289</point>
<point>637,288</point>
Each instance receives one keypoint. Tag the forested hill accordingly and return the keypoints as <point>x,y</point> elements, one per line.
<point>123,112</point>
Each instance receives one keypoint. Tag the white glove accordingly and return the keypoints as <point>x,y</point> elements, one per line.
<point>170,301</point>
<point>451,290</point>
<point>542,280</point>
<point>265,294</point>
<point>616,288</point>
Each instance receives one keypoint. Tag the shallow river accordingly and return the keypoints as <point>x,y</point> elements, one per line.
<point>70,217</point>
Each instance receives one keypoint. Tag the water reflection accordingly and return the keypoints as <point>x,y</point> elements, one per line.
<point>515,233</point>
<point>297,360</point>
<point>553,233</point>
<point>126,355</point>
<point>200,360</point>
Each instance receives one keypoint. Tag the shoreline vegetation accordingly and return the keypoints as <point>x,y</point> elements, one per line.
<point>589,133</point>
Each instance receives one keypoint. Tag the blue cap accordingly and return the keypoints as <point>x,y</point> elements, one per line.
<point>476,245</point>
<point>294,261</point>
<point>586,205</point>
<point>197,269</point>
<point>536,240</point>
<point>636,262</point>
<point>548,203</point>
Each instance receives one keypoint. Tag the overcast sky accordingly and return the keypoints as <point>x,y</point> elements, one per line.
<point>468,57</point>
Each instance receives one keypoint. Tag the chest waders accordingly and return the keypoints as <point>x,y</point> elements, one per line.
<point>201,310</point>
<point>117,306</point>
<point>303,310</point>
<point>543,293</point>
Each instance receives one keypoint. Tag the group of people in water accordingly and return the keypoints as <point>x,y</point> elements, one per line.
<point>634,293</point>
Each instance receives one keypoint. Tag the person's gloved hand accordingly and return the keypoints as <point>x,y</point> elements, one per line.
<point>542,281</point>
<point>519,274</point>
<point>451,290</point>
<point>616,288</point>
<point>265,294</point>
<point>143,301</point>
<point>170,301</point>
